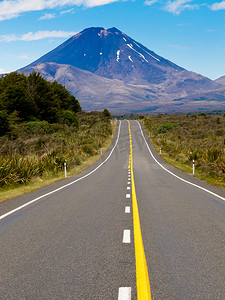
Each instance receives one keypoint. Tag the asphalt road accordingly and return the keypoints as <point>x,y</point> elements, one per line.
<point>70,244</point>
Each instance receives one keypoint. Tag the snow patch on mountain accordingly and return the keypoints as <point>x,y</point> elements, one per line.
<point>151,55</point>
<point>118,55</point>
<point>141,55</point>
<point>137,44</point>
<point>130,58</point>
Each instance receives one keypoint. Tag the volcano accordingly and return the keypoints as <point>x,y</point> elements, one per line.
<point>108,69</point>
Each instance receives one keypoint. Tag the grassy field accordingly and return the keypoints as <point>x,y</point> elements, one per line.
<point>34,153</point>
<point>184,138</point>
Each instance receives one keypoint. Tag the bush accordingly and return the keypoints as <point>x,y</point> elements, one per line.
<point>163,128</point>
<point>88,148</point>
<point>68,117</point>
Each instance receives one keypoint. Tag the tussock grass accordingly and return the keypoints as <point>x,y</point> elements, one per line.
<point>34,154</point>
<point>184,138</point>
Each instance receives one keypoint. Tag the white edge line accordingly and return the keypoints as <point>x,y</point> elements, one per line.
<point>188,182</point>
<point>64,186</point>
<point>124,293</point>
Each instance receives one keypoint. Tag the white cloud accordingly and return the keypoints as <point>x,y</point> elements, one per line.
<point>11,9</point>
<point>34,36</point>
<point>218,5</point>
<point>47,16</point>
<point>177,6</point>
<point>150,2</point>
<point>68,11</point>
<point>92,3</point>
<point>174,6</point>
<point>2,71</point>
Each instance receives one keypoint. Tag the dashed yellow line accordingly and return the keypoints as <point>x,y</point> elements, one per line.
<point>142,278</point>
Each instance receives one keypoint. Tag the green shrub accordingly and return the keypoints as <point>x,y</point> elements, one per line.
<point>213,154</point>
<point>163,128</point>
<point>68,117</point>
<point>88,148</point>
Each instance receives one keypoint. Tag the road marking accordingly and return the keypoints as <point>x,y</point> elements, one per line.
<point>127,209</point>
<point>124,293</point>
<point>127,196</point>
<point>128,188</point>
<point>186,181</point>
<point>126,236</point>
<point>128,182</point>
<point>142,278</point>
<point>66,185</point>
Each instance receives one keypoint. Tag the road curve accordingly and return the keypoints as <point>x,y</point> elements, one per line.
<point>77,242</point>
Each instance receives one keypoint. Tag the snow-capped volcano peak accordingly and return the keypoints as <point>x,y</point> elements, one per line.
<point>111,54</point>
<point>90,63</point>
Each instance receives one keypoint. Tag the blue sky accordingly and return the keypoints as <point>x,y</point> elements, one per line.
<point>190,33</point>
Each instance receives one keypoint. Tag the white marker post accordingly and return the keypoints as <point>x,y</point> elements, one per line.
<point>65,169</point>
<point>160,150</point>
<point>193,166</point>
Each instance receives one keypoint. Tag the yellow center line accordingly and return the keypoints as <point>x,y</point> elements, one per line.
<point>142,278</point>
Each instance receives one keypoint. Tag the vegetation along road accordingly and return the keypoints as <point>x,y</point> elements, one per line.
<point>128,220</point>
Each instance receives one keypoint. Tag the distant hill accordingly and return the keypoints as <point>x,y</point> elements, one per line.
<point>108,69</point>
<point>221,80</point>
<point>215,101</point>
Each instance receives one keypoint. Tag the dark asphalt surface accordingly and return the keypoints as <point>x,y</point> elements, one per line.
<point>183,230</point>
<point>68,245</point>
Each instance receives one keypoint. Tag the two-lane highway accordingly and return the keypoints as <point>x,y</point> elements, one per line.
<point>77,241</point>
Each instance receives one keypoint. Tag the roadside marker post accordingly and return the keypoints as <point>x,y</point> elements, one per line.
<point>65,169</point>
<point>101,151</point>
<point>193,166</point>
<point>160,150</point>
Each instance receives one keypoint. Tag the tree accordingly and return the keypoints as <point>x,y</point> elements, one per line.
<point>107,114</point>
<point>33,96</point>
<point>4,123</point>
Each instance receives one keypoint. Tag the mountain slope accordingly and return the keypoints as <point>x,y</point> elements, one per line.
<point>106,68</point>
<point>95,91</point>
<point>98,92</point>
<point>111,54</point>
<point>221,80</point>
